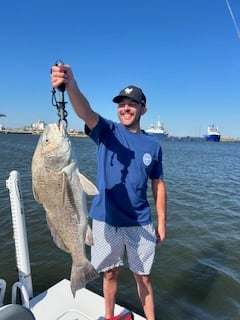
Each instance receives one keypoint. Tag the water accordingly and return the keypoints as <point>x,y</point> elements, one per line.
<point>196,270</point>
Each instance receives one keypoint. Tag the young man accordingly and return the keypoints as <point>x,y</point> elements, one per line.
<point>127,158</point>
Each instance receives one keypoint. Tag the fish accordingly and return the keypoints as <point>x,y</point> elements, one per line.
<point>61,189</point>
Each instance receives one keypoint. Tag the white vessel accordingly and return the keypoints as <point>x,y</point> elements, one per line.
<point>157,130</point>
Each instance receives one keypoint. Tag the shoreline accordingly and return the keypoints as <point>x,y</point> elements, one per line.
<point>81,134</point>
<point>39,132</point>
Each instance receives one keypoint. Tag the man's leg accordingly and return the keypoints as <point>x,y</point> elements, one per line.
<point>110,286</point>
<point>145,293</point>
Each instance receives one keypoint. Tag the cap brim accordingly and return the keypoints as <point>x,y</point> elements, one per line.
<point>117,99</point>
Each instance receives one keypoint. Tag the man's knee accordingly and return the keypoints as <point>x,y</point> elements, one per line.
<point>142,279</point>
<point>111,274</point>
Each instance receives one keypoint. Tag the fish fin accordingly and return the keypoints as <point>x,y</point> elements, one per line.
<point>88,187</point>
<point>81,275</point>
<point>89,236</point>
<point>56,238</point>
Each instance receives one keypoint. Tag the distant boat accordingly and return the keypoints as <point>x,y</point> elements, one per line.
<point>213,133</point>
<point>157,130</point>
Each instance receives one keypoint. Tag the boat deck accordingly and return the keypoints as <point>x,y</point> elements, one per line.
<point>58,303</point>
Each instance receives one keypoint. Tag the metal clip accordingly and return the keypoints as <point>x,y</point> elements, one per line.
<point>60,105</point>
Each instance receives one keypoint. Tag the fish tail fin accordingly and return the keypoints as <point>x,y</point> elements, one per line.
<point>81,275</point>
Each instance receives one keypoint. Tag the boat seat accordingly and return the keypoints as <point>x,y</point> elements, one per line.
<point>15,312</point>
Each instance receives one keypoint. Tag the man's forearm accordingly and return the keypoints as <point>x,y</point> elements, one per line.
<point>82,106</point>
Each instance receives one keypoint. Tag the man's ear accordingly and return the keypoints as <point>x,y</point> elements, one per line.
<point>143,110</point>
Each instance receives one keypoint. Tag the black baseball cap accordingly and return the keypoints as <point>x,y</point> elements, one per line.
<point>133,93</point>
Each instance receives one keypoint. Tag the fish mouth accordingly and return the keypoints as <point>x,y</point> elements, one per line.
<point>63,133</point>
<point>62,129</point>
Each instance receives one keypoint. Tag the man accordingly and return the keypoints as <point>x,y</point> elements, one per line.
<point>127,158</point>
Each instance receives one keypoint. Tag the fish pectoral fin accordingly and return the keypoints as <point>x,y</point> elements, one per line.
<point>89,236</point>
<point>56,238</point>
<point>88,187</point>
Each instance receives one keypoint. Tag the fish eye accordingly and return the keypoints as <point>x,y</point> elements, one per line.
<point>45,140</point>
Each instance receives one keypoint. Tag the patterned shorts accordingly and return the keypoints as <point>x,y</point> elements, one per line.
<point>111,243</point>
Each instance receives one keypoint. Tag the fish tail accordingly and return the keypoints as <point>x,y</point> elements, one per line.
<point>81,275</point>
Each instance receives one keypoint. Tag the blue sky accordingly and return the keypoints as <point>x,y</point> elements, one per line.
<point>184,54</point>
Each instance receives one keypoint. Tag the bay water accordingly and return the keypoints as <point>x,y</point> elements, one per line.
<point>196,273</point>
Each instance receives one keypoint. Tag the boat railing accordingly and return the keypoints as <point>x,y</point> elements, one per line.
<point>24,285</point>
<point>18,286</point>
<point>3,286</point>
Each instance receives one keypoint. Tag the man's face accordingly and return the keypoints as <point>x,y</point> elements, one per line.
<point>129,113</point>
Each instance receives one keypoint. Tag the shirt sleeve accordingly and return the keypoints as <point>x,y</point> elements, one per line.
<point>157,169</point>
<point>98,132</point>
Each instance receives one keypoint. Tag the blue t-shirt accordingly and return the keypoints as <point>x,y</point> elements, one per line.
<point>125,162</point>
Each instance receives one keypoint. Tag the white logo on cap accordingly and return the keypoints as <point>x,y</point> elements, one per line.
<point>147,159</point>
<point>128,90</point>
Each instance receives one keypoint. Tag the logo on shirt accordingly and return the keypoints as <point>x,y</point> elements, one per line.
<point>147,159</point>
